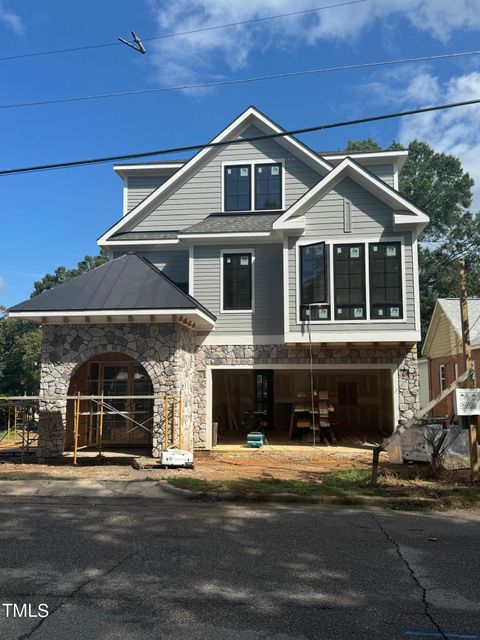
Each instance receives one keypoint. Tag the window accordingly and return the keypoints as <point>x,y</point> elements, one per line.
<point>237,281</point>
<point>313,285</point>
<point>455,370</point>
<point>385,281</point>
<point>349,281</point>
<point>237,188</point>
<point>443,377</point>
<point>268,186</point>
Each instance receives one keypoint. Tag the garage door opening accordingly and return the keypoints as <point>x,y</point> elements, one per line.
<point>278,403</point>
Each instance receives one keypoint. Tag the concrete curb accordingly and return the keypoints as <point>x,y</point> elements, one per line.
<point>82,488</point>
<point>282,498</point>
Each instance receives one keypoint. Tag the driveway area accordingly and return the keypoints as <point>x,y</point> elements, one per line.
<point>177,569</point>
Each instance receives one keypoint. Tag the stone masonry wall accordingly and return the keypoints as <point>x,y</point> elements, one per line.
<point>175,365</point>
<point>403,357</point>
<point>164,350</point>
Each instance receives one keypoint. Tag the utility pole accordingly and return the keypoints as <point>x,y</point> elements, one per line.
<point>468,362</point>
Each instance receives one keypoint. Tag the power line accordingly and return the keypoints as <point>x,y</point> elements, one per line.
<point>175,34</point>
<point>197,147</point>
<point>221,83</point>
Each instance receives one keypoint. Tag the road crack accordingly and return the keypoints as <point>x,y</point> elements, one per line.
<point>81,586</point>
<point>411,570</point>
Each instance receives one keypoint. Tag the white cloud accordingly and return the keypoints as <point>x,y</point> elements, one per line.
<point>187,58</point>
<point>455,131</point>
<point>11,20</point>
<point>3,284</point>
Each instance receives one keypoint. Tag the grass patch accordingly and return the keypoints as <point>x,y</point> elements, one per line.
<point>347,484</point>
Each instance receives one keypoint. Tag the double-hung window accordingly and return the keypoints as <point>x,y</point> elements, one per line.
<point>313,282</point>
<point>349,281</point>
<point>237,269</point>
<point>237,184</point>
<point>253,187</point>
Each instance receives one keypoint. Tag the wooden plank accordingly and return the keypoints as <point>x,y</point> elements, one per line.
<point>423,412</point>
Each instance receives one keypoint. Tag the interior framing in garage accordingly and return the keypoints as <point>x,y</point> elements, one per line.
<point>364,398</point>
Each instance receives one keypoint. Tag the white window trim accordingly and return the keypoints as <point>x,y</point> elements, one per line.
<point>442,379</point>
<point>350,240</point>
<point>252,164</point>
<point>229,251</point>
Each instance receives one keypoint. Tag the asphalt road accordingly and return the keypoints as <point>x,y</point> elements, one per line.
<point>178,569</point>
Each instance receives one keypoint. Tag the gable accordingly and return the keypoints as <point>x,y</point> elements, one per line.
<point>404,212</point>
<point>223,140</point>
<point>201,195</point>
<point>441,339</point>
<point>369,215</point>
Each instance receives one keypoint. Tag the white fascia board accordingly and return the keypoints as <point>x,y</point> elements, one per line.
<point>247,118</point>
<point>348,168</point>
<point>377,157</point>
<point>36,316</point>
<point>344,336</point>
<point>129,169</point>
<point>136,243</point>
<point>402,219</point>
<point>239,234</point>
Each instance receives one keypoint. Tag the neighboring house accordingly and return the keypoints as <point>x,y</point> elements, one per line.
<point>444,350</point>
<point>219,262</point>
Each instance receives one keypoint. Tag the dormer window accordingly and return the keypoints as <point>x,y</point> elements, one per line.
<point>253,187</point>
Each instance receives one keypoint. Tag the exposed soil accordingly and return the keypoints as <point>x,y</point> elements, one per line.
<point>284,463</point>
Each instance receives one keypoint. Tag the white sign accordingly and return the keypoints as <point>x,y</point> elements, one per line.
<point>467,402</point>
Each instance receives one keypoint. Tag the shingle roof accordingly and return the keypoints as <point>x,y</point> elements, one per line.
<point>128,283</point>
<point>451,309</point>
<point>234,223</point>
<point>144,235</point>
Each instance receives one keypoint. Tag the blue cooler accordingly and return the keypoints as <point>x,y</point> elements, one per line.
<point>255,440</point>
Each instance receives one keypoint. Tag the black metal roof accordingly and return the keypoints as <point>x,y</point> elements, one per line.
<point>128,283</point>
<point>234,223</point>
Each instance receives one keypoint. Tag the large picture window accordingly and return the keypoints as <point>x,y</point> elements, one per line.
<point>313,283</point>
<point>349,281</point>
<point>237,281</point>
<point>237,187</point>
<point>385,268</point>
<point>268,186</point>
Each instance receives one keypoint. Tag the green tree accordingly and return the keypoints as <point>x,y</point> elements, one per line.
<point>62,274</point>
<point>20,349</point>
<point>21,341</point>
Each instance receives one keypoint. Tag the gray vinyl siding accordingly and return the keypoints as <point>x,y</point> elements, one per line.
<point>173,262</point>
<point>201,194</point>
<point>139,187</point>
<point>267,318</point>
<point>371,218</point>
<point>382,171</point>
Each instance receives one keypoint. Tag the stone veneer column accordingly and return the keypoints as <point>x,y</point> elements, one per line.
<point>403,358</point>
<point>164,350</point>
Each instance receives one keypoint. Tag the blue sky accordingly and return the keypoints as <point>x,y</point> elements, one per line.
<point>53,218</point>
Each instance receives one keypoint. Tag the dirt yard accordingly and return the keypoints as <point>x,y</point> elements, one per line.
<point>281,462</point>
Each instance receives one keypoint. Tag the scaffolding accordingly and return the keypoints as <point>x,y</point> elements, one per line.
<point>18,424</point>
<point>21,417</point>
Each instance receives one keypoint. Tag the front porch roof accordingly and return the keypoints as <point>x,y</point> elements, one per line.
<point>127,289</point>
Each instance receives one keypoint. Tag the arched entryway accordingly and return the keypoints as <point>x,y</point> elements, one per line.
<point>126,422</point>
